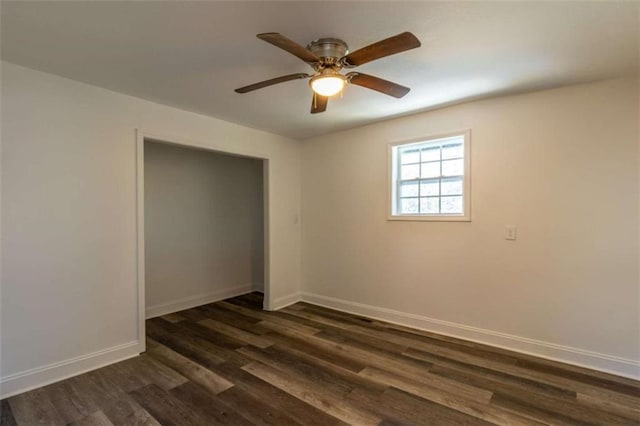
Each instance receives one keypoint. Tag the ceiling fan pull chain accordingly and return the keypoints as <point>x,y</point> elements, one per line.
<point>315,100</point>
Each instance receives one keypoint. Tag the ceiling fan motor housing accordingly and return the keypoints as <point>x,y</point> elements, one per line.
<point>330,50</point>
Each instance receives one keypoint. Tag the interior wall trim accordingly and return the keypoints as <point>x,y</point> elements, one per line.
<point>580,357</point>
<point>284,301</point>
<point>23,381</point>
<point>197,300</point>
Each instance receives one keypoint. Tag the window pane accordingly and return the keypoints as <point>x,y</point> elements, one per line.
<point>409,206</point>
<point>452,167</point>
<point>430,187</point>
<point>452,151</point>
<point>410,156</point>
<point>409,189</point>
<point>451,204</point>
<point>430,169</point>
<point>410,172</point>
<point>452,186</point>
<point>429,177</point>
<point>429,205</point>
<point>431,154</point>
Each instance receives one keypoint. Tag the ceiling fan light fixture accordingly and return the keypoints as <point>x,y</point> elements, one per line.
<point>329,84</point>
<point>328,57</point>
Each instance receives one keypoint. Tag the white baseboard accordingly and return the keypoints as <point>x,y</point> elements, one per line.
<point>580,357</point>
<point>283,302</point>
<point>197,300</point>
<point>41,376</point>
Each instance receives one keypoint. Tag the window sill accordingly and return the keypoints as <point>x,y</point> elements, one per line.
<point>429,218</point>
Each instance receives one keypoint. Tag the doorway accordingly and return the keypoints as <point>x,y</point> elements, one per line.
<point>202,228</point>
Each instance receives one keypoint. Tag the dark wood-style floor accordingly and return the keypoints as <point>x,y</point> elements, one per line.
<point>232,363</point>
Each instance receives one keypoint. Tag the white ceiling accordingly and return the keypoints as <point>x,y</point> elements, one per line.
<point>192,55</point>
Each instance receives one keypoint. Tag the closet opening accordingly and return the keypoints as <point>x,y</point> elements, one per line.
<point>203,223</point>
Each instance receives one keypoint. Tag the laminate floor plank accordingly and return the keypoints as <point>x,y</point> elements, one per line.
<point>301,345</point>
<point>256,298</point>
<point>230,356</point>
<point>173,318</point>
<point>341,316</point>
<point>279,317</point>
<point>610,406</point>
<point>522,372</point>
<point>315,370</point>
<point>498,387</point>
<point>331,404</point>
<point>127,376</point>
<point>255,409</point>
<point>243,322</point>
<point>35,408</point>
<point>154,372</point>
<point>483,411</point>
<point>254,303</point>
<point>401,408</point>
<point>193,315</point>
<point>232,363</point>
<point>199,400</point>
<point>156,327</point>
<point>613,385</point>
<point>320,378</point>
<point>94,419</point>
<point>187,338</point>
<point>166,409</point>
<point>6,415</point>
<point>216,337</point>
<point>98,391</point>
<point>396,364</point>
<point>363,355</point>
<point>128,412</point>
<point>104,392</point>
<point>365,342</point>
<point>189,347</point>
<point>469,373</point>
<point>189,369</point>
<point>282,315</point>
<point>419,342</point>
<point>550,410</point>
<point>335,370</point>
<point>393,341</point>
<point>524,359</point>
<point>320,321</point>
<point>236,333</point>
<point>69,401</point>
<point>275,397</point>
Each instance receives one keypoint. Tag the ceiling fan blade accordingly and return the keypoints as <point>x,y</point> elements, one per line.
<point>319,103</point>
<point>290,46</point>
<point>271,82</point>
<point>377,84</point>
<point>386,47</point>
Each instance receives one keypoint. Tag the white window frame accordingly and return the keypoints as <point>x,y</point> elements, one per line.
<point>393,172</point>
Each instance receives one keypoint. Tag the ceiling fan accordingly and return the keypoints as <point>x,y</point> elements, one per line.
<point>328,56</point>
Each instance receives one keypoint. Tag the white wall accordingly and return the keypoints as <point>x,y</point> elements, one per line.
<point>203,226</point>
<point>69,298</point>
<point>561,165</point>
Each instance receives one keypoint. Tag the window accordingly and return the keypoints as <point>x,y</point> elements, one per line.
<point>430,178</point>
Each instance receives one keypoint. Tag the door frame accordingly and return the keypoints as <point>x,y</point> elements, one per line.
<point>141,136</point>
